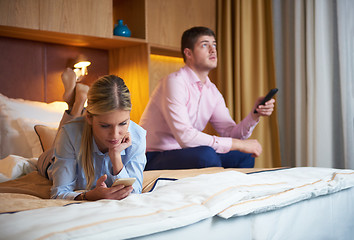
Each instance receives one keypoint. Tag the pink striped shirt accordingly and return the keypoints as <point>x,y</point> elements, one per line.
<point>179,110</point>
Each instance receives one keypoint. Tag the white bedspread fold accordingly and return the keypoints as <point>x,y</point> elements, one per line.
<point>175,204</point>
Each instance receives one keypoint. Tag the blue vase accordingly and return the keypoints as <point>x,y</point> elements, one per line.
<point>121,30</point>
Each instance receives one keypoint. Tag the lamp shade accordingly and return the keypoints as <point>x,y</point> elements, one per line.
<point>82,64</point>
<point>79,65</point>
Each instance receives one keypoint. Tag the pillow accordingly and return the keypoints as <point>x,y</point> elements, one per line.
<point>46,136</point>
<point>27,129</point>
<point>17,120</point>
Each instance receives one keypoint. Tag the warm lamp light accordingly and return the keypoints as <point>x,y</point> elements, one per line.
<point>80,68</point>
<point>169,59</point>
<point>79,65</point>
<point>82,64</point>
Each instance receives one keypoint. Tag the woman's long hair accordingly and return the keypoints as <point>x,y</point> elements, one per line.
<point>107,94</point>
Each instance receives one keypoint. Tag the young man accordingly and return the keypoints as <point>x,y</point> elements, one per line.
<point>181,106</point>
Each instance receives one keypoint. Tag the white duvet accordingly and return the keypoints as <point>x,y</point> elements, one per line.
<point>13,167</point>
<point>174,204</point>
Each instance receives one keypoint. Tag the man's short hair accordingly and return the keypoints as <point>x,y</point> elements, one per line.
<point>190,37</point>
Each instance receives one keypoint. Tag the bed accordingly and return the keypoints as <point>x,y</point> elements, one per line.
<point>211,203</point>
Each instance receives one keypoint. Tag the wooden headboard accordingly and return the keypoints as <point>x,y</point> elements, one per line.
<point>31,70</point>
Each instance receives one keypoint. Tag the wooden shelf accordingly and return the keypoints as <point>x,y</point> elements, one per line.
<point>165,51</point>
<point>156,27</point>
<point>70,39</point>
<point>132,12</point>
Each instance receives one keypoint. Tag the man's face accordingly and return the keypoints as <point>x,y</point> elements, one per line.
<point>204,55</point>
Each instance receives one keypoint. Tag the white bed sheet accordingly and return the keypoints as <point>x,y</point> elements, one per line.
<point>326,217</point>
<point>189,201</point>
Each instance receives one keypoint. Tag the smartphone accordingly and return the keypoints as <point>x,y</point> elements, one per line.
<point>124,181</point>
<point>269,96</point>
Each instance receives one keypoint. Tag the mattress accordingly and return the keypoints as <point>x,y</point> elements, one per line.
<point>325,217</point>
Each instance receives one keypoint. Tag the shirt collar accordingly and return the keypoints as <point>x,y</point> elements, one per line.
<point>194,79</point>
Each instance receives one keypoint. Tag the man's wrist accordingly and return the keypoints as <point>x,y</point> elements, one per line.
<point>255,116</point>
<point>236,144</point>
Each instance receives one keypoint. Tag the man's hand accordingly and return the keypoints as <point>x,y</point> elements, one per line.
<point>263,110</point>
<point>247,146</point>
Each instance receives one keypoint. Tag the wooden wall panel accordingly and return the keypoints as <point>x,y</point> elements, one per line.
<point>160,67</point>
<point>57,58</point>
<point>85,17</point>
<point>131,64</point>
<point>20,13</point>
<point>167,20</point>
<point>21,68</point>
<point>32,70</point>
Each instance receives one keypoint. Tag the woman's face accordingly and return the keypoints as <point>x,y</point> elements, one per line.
<point>109,129</point>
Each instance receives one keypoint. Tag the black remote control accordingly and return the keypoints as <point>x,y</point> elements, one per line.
<point>269,96</point>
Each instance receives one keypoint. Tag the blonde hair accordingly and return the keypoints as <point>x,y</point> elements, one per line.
<point>107,94</point>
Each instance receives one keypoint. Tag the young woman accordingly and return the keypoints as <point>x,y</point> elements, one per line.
<point>97,145</point>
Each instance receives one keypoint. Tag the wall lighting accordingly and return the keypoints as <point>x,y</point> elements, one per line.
<point>79,65</point>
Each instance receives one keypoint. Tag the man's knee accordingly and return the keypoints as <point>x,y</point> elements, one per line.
<point>247,162</point>
<point>187,158</point>
<point>207,157</point>
<point>237,159</point>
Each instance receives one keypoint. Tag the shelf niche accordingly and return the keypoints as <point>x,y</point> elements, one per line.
<point>132,12</point>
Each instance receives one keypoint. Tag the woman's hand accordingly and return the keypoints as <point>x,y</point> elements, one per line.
<point>114,153</point>
<point>263,110</point>
<point>126,142</point>
<point>101,191</point>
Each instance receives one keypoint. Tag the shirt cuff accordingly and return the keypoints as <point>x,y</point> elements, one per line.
<point>123,173</point>
<point>72,195</point>
<point>222,144</point>
<point>250,122</point>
